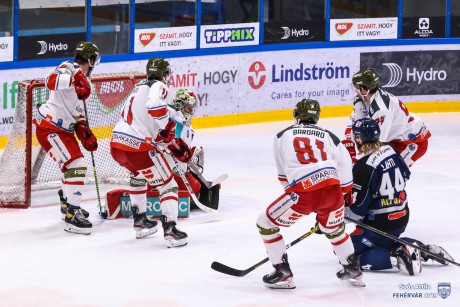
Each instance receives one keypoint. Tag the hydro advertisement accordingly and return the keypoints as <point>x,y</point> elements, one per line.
<point>416,73</point>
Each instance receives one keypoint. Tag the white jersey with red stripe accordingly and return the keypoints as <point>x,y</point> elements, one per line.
<point>63,108</point>
<point>144,114</point>
<point>310,158</point>
<point>395,121</point>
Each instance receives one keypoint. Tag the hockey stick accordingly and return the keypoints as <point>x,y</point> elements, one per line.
<point>222,268</point>
<point>203,180</point>
<point>382,233</point>
<point>102,212</point>
<point>179,171</point>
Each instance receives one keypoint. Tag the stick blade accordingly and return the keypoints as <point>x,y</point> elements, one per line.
<point>222,268</point>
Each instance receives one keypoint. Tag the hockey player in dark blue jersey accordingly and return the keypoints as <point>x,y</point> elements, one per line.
<point>380,201</point>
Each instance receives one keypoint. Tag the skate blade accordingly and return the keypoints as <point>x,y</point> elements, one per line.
<point>145,232</point>
<point>176,243</point>
<point>357,282</point>
<point>286,284</point>
<point>81,231</point>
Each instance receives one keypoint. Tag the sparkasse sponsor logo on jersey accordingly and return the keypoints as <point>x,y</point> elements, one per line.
<point>257,75</point>
<point>146,38</point>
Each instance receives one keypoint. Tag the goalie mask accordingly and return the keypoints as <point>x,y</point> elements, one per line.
<point>365,130</point>
<point>307,111</point>
<point>158,69</point>
<point>185,101</point>
<point>87,52</point>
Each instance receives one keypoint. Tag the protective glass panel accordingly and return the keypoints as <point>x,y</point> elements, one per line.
<point>363,9</point>
<point>50,29</point>
<point>110,26</point>
<point>6,18</point>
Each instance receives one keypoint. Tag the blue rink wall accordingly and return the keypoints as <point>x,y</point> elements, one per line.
<point>262,83</point>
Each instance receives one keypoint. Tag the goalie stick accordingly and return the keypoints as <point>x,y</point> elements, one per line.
<point>203,180</point>
<point>382,233</point>
<point>222,268</point>
<point>179,171</point>
<point>102,211</point>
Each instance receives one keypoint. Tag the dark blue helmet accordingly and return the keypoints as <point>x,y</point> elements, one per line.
<point>366,130</point>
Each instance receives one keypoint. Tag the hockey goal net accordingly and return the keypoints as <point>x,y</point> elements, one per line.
<point>24,166</point>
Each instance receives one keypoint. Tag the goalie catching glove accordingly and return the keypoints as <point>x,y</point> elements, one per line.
<point>180,150</point>
<point>85,135</point>
<point>82,86</point>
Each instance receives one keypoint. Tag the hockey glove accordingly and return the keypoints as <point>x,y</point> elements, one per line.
<point>348,198</point>
<point>350,146</point>
<point>167,134</point>
<point>85,135</point>
<point>82,86</point>
<point>180,150</point>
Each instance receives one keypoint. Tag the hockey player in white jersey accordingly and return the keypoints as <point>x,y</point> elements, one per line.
<point>314,169</point>
<point>403,130</point>
<point>137,143</point>
<point>59,120</point>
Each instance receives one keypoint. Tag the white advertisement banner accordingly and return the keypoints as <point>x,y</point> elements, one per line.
<point>6,49</point>
<point>229,35</point>
<point>253,82</point>
<point>363,29</point>
<point>163,39</point>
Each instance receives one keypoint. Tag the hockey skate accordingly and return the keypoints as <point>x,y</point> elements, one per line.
<point>408,259</point>
<point>281,277</point>
<point>438,250</point>
<point>352,271</point>
<point>76,222</point>
<point>142,225</point>
<point>65,205</point>
<point>173,236</point>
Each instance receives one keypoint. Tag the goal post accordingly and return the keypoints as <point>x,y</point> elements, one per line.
<point>24,166</point>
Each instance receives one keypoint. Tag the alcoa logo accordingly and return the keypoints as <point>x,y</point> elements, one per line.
<point>52,47</point>
<point>412,75</point>
<point>257,75</point>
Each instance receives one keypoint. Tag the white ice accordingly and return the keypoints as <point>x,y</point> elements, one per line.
<point>41,265</point>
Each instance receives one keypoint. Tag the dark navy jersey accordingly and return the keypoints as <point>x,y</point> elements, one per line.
<point>379,182</point>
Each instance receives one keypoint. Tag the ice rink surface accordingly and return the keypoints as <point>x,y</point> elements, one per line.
<point>41,265</point>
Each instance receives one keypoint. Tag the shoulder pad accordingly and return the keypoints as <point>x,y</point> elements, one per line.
<point>279,134</point>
